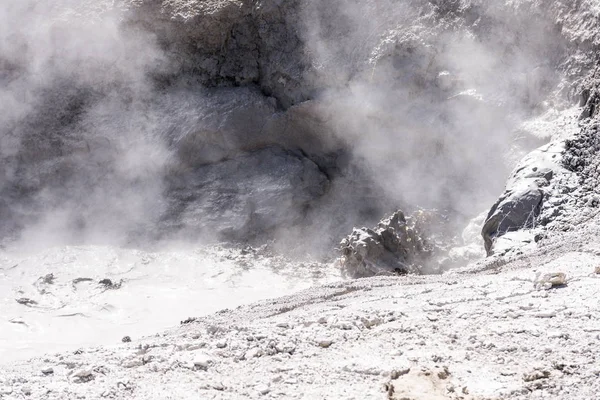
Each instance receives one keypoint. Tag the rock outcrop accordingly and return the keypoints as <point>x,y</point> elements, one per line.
<point>394,246</point>
<point>124,98</point>
<point>249,195</point>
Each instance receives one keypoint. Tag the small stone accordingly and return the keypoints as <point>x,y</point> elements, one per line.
<point>597,270</point>
<point>288,348</point>
<point>324,342</point>
<point>551,280</point>
<point>221,344</point>
<point>26,390</point>
<point>397,373</point>
<point>263,389</point>
<point>83,375</point>
<point>48,371</point>
<point>444,374</point>
<point>218,386</point>
<point>26,302</point>
<point>283,325</point>
<point>6,390</point>
<point>371,322</point>
<point>136,362</point>
<point>202,361</point>
<point>253,353</point>
<point>545,314</point>
<point>108,284</point>
<point>126,339</point>
<point>535,375</point>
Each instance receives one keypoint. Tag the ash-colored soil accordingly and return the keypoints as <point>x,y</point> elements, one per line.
<point>495,330</point>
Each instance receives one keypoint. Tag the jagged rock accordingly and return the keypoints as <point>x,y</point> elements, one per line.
<point>230,42</point>
<point>525,195</point>
<point>513,211</point>
<point>394,246</point>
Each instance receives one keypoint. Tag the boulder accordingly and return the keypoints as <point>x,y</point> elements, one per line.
<point>513,211</point>
<point>519,207</point>
<point>395,246</point>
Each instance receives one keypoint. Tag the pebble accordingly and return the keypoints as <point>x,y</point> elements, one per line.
<point>252,353</point>
<point>48,371</point>
<point>324,342</point>
<point>288,348</point>
<point>136,362</point>
<point>221,344</point>
<point>218,386</point>
<point>263,389</point>
<point>535,375</point>
<point>345,325</point>
<point>6,390</point>
<point>371,322</point>
<point>202,361</point>
<point>558,335</point>
<point>545,314</point>
<point>82,373</point>
<point>396,373</point>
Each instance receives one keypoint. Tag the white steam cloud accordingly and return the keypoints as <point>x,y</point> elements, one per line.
<point>422,99</point>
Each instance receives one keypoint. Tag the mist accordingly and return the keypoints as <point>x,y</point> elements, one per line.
<point>108,134</point>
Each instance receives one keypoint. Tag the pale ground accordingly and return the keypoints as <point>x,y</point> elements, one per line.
<point>485,331</point>
<point>72,308</point>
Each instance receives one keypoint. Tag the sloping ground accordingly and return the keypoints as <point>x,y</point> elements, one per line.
<point>63,298</point>
<point>489,332</point>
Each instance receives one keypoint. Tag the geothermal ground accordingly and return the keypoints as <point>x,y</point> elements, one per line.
<point>491,331</point>
<point>305,199</point>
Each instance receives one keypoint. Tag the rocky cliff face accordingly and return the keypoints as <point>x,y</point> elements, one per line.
<point>148,118</point>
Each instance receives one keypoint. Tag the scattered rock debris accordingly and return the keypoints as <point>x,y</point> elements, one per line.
<point>108,284</point>
<point>536,375</point>
<point>79,280</point>
<point>551,280</point>
<point>26,302</point>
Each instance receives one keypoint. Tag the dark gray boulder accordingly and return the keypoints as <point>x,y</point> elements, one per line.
<point>514,210</point>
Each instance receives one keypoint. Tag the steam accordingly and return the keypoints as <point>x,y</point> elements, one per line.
<point>79,138</point>
<point>421,98</point>
<point>429,95</point>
